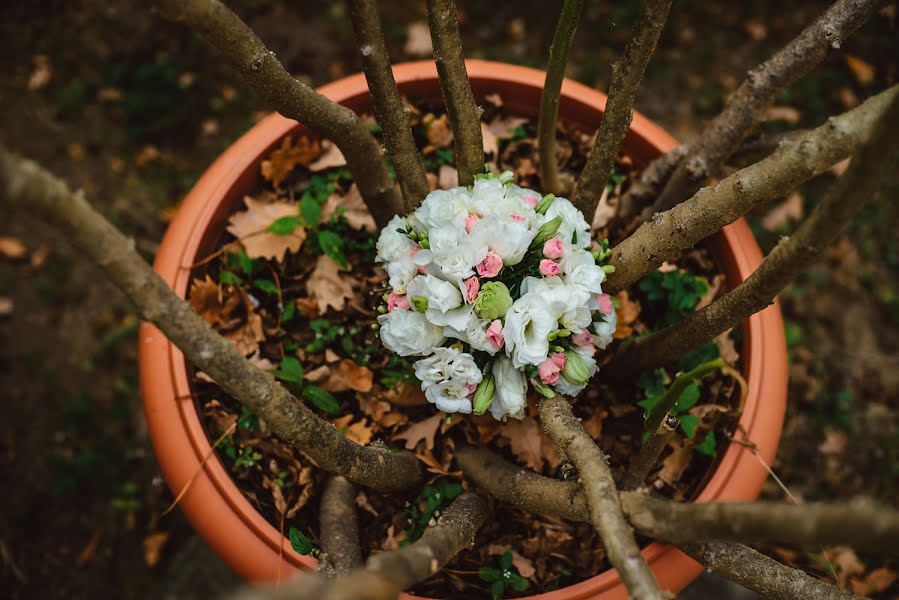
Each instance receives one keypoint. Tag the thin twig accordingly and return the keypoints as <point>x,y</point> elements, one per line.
<point>390,111</point>
<point>746,107</point>
<point>712,208</point>
<point>640,466</point>
<point>549,98</point>
<point>30,188</point>
<point>872,176</point>
<point>626,76</point>
<point>339,528</point>
<point>602,497</point>
<point>263,72</point>
<point>387,574</point>
<point>463,111</point>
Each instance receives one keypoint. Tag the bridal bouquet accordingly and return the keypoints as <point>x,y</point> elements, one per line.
<point>498,289</point>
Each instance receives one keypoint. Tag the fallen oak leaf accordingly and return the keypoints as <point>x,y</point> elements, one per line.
<point>247,337</point>
<point>628,310</point>
<point>529,443</point>
<point>153,545</point>
<point>524,565</point>
<point>211,302</point>
<point>328,286</point>
<point>331,156</point>
<point>251,228</point>
<point>356,212</point>
<point>875,582</point>
<point>421,431</point>
<point>283,160</point>
<point>359,432</point>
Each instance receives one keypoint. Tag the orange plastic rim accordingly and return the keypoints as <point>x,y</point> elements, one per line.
<point>216,507</point>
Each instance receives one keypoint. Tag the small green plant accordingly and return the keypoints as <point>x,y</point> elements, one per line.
<point>291,373</point>
<point>435,498</point>
<point>672,294</point>
<point>247,459</point>
<point>302,544</point>
<point>504,577</point>
<point>240,266</point>
<point>325,334</point>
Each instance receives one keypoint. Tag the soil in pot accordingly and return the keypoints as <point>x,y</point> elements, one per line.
<point>294,286</point>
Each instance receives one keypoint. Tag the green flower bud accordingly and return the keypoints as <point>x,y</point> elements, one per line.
<point>575,371</point>
<point>492,301</point>
<point>557,349</point>
<point>425,244</point>
<point>382,309</point>
<point>483,395</point>
<point>563,333</point>
<point>420,303</point>
<point>543,390</point>
<point>608,269</point>
<point>545,203</point>
<point>423,235</point>
<point>552,335</point>
<point>596,254</point>
<point>546,231</point>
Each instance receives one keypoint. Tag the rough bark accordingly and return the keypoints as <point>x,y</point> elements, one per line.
<point>761,574</point>
<point>712,208</point>
<point>746,107</point>
<point>549,98</point>
<point>463,111</point>
<point>29,187</point>
<point>339,528</point>
<point>387,574</point>
<point>862,524</point>
<point>606,514</point>
<point>263,72</point>
<point>390,111</point>
<point>627,73</point>
<point>873,176</point>
<point>640,466</point>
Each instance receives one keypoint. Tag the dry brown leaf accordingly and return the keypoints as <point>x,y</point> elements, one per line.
<point>726,348</point>
<point>247,337</point>
<point>406,395</point>
<point>261,363</point>
<point>42,73</point>
<point>421,431</point>
<point>524,565</point>
<point>834,443</point>
<point>784,213</point>
<point>331,156</point>
<point>864,71</point>
<point>393,541</point>
<point>250,228</point>
<point>356,212</point>
<point>447,177</point>
<point>604,211</point>
<point>593,425</point>
<point>528,442</point>
<point>525,168</point>
<point>438,132</point>
<point>12,248</point>
<point>627,313</point>
<point>675,463</point>
<point>756,29</point>
<point>153,545</point>
<point>39,257</point>
<point>359,432</point>
<point>211,302</point>
<point>503,127</point>
<point>363,502</point>
<point>490,141</point>
<point>788,114</point>
<point>328,286</point>
<point>875,582</point>
<point>846,564</point>
<point>7,306</point>
<point>345,375</point>
<point>714,287</point>
<point>282,161</point>
<point>306,482</point>
<point>418,40</point>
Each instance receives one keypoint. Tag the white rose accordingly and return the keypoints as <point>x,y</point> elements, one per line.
<point>442,295</point>
<point>409,333</point>
<point>572,221</point>
<point>558,296</point>
<point>449,396</point>
<point>525,329</point>
<point>400,273</point>
<point>436,367</point>
<point>507,238</point>
<point>485,193</point>
<point>393,245</point>
<point>454,251</point>
<point>565,387</point>
<point>443,207</point>
<point>510,397</point>
<point>583,275</point>
<point>605,330</point>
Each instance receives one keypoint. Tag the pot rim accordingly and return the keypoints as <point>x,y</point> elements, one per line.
<point>222,514</point>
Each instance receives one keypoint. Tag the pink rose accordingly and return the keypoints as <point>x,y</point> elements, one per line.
<point>472,287</point>
<point>395,301</point>
<point>490,266</point>
<point>549,369</point>
<point>548,268</point>
<point>605,304</point>
<point>470,220</point>
<point>495,334</point>
<point>516,218</point>
<point>552,248</point>
<point>583,339</point>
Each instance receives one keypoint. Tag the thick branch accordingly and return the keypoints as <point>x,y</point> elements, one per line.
<point>549,99</point>
<point>386,575</point>
<point>602,497</point>
<point>30,188</point>
<point>761,574</point>
<point>267,76</point>
<point>712,208</point>
<point>640,466</point>
<point>871,177</point>
<point>463,111</point>
<point>389,109</point>
<point>339,528</point>
<point>626,76</point>
<point>862,524</point>
<point>746,107</point>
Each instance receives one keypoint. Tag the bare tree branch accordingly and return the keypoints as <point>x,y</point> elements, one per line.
<point>763,575</point>
<point>339,528</point>
<point>871,176</point>
<point>29,187</point>
<point>549,99</point>
<point>746,107</point>
<point>712,208</point>
<point>602,497</point>
<point>463,111</point>
<point>267,76</point>
<point>387,574</point>
<point>390,112</point>
<point>640,466</point>
<point>862,524</point>
<point>626,76</point>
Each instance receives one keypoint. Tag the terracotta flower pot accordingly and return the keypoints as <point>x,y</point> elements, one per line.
<point>214,504</point>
